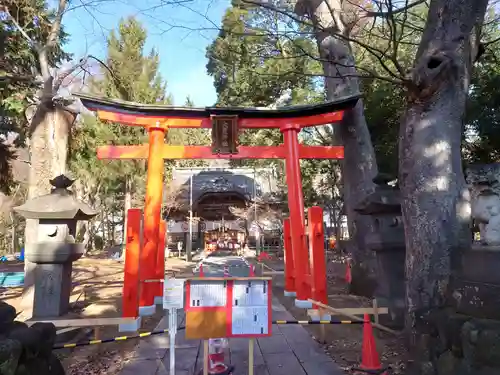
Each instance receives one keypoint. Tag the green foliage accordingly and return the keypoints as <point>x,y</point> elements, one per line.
<point>19,67</point>
<point>384,106</point>
<point>130,74</point>
<point>257,57</point>
<point>19,63</point>
<point>185,137</point>
<point>258,60</point>
<point>384,101</point>
<point>482,131</point>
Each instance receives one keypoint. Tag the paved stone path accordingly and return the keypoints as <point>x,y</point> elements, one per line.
<point>289,351</point>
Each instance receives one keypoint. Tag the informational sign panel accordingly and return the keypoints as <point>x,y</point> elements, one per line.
<point>173,293</point>
<point>228,307</point>
<point>208,294</point>
<point>250,307</point>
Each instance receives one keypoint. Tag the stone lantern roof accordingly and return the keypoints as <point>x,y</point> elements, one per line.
<point>60,203</point>
<point>386,199</point>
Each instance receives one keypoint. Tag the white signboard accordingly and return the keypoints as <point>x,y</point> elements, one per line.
<point>208,294</point>
<point>250,307</point>
<point>173,293</point>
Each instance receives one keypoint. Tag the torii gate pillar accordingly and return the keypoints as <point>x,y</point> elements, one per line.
<point>152,217</point>
<point>297,217</point>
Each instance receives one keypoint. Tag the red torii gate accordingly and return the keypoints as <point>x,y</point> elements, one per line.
<point>225,124</point>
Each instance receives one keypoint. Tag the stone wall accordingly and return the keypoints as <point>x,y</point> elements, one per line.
<point>26,350</point>
<point>459,344</point>
<point>464,339</point>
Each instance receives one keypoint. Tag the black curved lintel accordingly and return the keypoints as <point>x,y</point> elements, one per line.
<point>95,103</point>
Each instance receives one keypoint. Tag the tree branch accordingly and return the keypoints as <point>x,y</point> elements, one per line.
<point>9,77</point>
<point>18,27</point>
<point>392,12</point>
<point>376,52</point>
<point>61,77</point>
<point>55,30</point>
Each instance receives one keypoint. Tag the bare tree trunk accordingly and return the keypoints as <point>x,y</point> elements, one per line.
<point>436,210</point>
<point>13,237</point>
<point>127,206</point>
<point>86,236</point>
<point>109,233</point>
<point>50,130</point>
<point>360,165</point>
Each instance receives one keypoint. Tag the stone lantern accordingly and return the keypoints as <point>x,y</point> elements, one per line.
<point>55,249</point>
<point>388,241</point>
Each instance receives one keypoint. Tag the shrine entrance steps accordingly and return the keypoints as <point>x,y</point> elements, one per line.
<point>289,351</point>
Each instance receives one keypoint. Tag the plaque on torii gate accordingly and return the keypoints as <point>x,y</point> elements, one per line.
<point>225,135</point>
<point>225,124</point>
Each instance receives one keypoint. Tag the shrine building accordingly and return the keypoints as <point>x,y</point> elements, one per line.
<point>222,202</point>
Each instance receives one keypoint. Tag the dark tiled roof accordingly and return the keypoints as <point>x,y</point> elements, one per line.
<point>242,181</point>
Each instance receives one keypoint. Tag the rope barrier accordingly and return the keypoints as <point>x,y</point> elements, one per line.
<point>114,339</point>
<point>147,334</point>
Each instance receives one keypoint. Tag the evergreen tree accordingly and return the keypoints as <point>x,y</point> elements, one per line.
<point>189,137</point>
<point>259,59</point>
<point>133,75</point>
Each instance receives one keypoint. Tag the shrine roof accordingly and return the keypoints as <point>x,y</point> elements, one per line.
<point>96,103</point>
<point>246,182</point>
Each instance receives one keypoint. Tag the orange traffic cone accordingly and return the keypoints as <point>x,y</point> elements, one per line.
<point>370,361</point>
<point>348,276</point>
<point>201,270</point>
<point>252,271</point>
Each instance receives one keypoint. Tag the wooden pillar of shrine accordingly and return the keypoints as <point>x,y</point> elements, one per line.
<point>152,218</point>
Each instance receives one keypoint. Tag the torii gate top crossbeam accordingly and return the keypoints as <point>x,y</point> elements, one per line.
<point>185,117</point>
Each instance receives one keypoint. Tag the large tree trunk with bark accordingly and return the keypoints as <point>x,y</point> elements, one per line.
<point>49,137</point>
<point>436,211</point>
<point>360,165</point>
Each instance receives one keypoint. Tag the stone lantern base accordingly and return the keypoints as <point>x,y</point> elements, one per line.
<point>52,274</point>
<point>52,290</point>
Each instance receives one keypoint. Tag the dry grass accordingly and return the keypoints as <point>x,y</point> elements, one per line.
<point>97,293</point>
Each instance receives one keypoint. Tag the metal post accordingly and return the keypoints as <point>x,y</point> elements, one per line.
<point>189,245</point>
<point>172,330</point>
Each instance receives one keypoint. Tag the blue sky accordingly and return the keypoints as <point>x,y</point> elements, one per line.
<point>179,32</point>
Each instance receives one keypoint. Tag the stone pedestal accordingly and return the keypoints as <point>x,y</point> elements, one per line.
<point>53,284</point>
<point>477,289</point>
<point>463,345</point>
<point>391,291</point>
<point>53,277</point>
<point>52,290</point>
<point>388,242</point>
